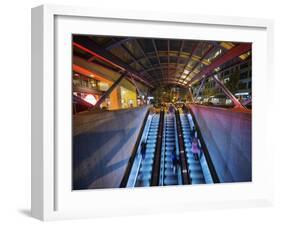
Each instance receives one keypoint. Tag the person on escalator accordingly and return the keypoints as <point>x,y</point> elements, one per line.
<point>171,110</point>
<point>192,133</point>
<point>184,108</point>
<point>143,149</point>
<point>175,161</point>
<point>195,148</point>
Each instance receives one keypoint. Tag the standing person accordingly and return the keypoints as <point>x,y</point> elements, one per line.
<point>171,109</point>
<point>192,133</point>
<point>174,161</point>
<point>143,149</point>
<point>195,148</point>
<point>184,109</point>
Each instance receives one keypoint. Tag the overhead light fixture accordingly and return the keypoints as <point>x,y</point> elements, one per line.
<point>217,69</point>
<point>217,53</point>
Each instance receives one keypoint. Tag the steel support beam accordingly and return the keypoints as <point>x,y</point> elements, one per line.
<point>191,95</point>
<point>191,53</point>
<point>86,44</point>
<point>232,53</point>
<point>198,62</point>
<point>200,87</point>
<point>162,66</point>
<point>134,59</point>
<point>228,93</point>
<point>109,91</point>
<point>152,55</point>
<point>117,43</point>
<point>169,81</point>
<point>157,55</point>
<point>173,83</point>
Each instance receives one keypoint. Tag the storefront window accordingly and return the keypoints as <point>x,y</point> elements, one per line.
<point>84,83</point>
<point>128,98</point>
<point>93,83</point>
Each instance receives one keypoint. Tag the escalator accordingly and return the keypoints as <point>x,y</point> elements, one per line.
<point>169,137</point>
<point>169,174</point>
<point>194,167</point>
<point>146,164</point>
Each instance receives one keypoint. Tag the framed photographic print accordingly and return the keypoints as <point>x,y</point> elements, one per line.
<point>143,113</point>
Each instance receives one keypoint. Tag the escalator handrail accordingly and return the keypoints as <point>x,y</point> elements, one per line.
<point>183,159</point>
<point>157,154</point>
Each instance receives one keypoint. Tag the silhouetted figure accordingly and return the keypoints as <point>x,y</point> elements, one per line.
<point>171,110</point>
<point>174,161</point>
<point>143,149</point>
<point>192,133</point>
<point>195,148</point>
<point>184,109</point>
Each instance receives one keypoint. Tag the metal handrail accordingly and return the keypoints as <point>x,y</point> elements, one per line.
<point>157,155</point>
<point>183,159</point>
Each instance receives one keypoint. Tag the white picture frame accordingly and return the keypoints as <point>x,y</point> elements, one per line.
<point>52,197</point>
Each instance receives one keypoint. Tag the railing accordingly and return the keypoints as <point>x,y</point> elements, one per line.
<point>157,157</point>
<point>183,160</point>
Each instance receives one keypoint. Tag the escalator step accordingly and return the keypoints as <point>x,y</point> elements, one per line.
<point>146,163</point>
<point>197,181</point>
<point>146,169</point>
<point>150,145</point>
<point>187,145</point>
<point>144,183</point>
<point>168,165</point>
<point>189,155</point>
<point>170,144</point>
<point>196,175</point>
<point>150,137</point>
<point>148,157</point>
<point>170,148</point>
<point>150,150</point>
<point>151,141</point>
<point>171,180</point>
<point>193,167</point>
<point>169,172</point>
<point>169,161</point>
<point>193,161</point>
<point>168,154</point>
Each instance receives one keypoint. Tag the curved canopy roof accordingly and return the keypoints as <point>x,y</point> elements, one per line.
<point>156,61</point>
